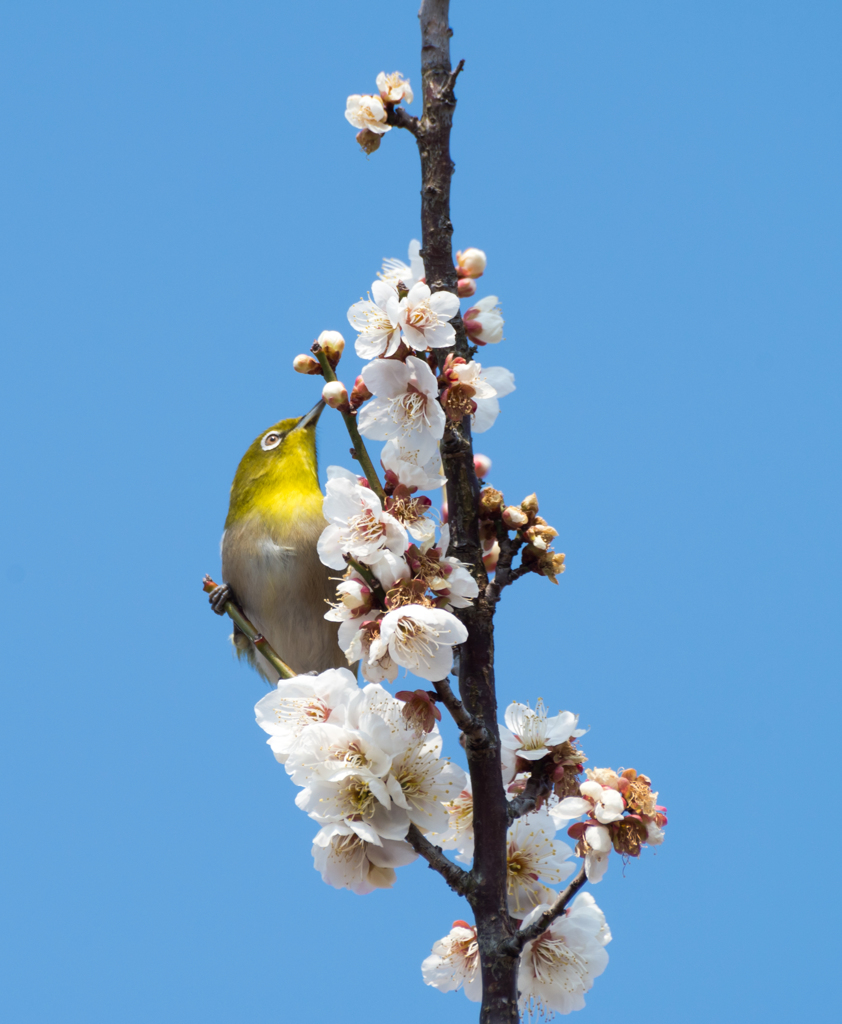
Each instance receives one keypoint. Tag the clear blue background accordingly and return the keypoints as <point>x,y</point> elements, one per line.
<point>184,209</point>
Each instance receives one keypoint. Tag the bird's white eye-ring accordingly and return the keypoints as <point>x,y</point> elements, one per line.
<point>270,440</point>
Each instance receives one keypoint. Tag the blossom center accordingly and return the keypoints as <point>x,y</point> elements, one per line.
<point>417,640</point>
<point>365,528</point>
<point>302,711</point>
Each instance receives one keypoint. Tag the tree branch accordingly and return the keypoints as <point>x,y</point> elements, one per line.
<point>397,117</point>
<point>537,786</point>
<point>466,722</point>
<point>514,945</point>
<point>360,449</point>
<point>258,639</point>
<point>458,880</point>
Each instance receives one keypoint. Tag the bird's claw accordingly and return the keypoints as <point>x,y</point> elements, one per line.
<point>219,597</point>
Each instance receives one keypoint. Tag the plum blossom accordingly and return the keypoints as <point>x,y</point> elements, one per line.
<point>394,271</point>
<point>377,321</point>
<point>420,639</point>
<point>376,664</point>
<point>484,321</point>
<point>347,862</point>
<point>367,112</point>
<point>405,404</point>
<point>425,318</point>
<point>357,525</point>
<point>596,845</point>
<point>394,87</point>
<point>608,805</point>
<point>559,967</point>
<point>533,853</point>
<point>471,263</point>
<point>459,834</point>
<point>411,466</point>
<point>488,409</point>
<point>454,962</point>
<point>303,701</point>
<point>420,782</point>
<point>532,734</point>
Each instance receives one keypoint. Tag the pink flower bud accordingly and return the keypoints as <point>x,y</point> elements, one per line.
<point>471,263</point>
<point>513,517</point>
<point>491,557</point>
<point>482,465</point>
<point>306,364</point>
<point>466,287</point>
<point>335,394</point>
<point>359,393</point>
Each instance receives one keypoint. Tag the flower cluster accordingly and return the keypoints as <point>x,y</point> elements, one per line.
<point>366,772</point>
<point>622,813</point>
<point>533,535</point>
<point>370,113</point>
<point>556,969</point>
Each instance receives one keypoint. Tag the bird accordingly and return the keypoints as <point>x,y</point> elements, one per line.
<point>270,566</point>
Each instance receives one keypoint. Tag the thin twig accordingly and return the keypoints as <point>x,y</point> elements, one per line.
<point>503,574</point>
<point>366,573</point>
<point>461,716</point>
<point>447,91</point>
<point>258,639</point>
<point>458,880</point>
<point>537,786</point>
<point>514,945</point>
<point>397,117</point>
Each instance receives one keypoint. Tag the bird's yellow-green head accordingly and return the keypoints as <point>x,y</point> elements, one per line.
<point>277,479</point>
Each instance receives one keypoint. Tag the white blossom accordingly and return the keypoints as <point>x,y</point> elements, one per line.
<point>377,321</point>
<point>421,639</point>
<point>364,646</point>
<point>608,804</point>
<point>532,734</point>
<point>471,262</point>
<point>347,862</point>
<point>411,466</point>
<point>484,321</point>
<point>420,781</point>
<point>357,525</point>
<point>459,834</point>
<point>454,963</point>
<point>367,112</point>
<point>395,271</point>
<point>394,87</point>
<point>303,701</point>
<point>406,404</point>
<point>488,409</point>
<point>558,967</point>
<point>598,846</point>
<point>425,318</point>
<point>531,854</point>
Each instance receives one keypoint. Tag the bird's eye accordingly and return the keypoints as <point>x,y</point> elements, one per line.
<point>270,440</point>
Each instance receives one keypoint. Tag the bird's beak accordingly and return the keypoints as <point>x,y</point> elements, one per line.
<point>311,418</point>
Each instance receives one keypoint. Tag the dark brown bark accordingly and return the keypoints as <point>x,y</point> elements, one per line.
<point>487,892</point>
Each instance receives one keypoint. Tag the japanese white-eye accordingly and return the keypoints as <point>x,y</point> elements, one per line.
<point>269,562</point>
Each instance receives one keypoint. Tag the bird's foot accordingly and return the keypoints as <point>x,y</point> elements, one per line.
<point>219,597</point>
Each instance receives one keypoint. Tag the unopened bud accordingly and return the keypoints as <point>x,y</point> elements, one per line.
<point>466,287</point>
<point>491,557</point>
<point>490,503</point>
<point>306,364</point>
<point>333,344</point>
<point>482,466</point>
<point>359,393</point>
<point>444,511</point>
<point>335,394</point>
<point>514,518</point>
<point>369,141</point>
<point>530,505</point>
<point>470,263</point>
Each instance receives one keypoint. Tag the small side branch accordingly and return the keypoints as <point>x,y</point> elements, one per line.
<point>351,423</point>
<point>458,880</point>
<point>447,91</point>
<point>504,574</point>
<point>397,117</point>
<point>369,577</point>
<point>537,787</point>
<point>461,716</point>
<point>260,642</point>
<point>514,945</point>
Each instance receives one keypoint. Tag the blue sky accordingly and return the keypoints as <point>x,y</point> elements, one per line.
<point>656,185</point>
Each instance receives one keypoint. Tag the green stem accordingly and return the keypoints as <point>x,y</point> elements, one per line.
<point>369,577</point>
<point>351,423</point>
<point>260,642</point>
